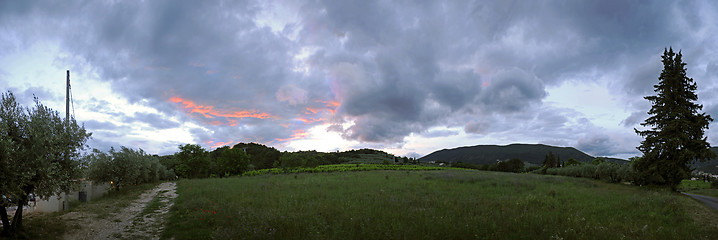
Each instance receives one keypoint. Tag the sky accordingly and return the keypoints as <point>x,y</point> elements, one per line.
<point>406,77</point>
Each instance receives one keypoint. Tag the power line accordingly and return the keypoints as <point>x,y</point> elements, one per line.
<point>72,102</point>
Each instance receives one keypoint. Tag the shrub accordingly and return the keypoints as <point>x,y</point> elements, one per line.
<point>625,173</point>
<point>467,165</point>
<point>514,165</point>
<point>572,162</point>
<point>608,172</point>
<point>532,168</point>
<point>552,171</point>
<point>714,184</point>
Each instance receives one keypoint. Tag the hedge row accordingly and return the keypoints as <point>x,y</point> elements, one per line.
<point>606,171</point>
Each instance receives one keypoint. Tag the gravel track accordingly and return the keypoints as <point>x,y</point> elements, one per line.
<point>130,223</point>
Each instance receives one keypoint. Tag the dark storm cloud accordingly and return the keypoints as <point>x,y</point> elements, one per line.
<point>211,54</point>
<point>477,127</point>
<point>94,125</point>
<point>511,49</point>
<point>101,144</point>
<point>600,144</point>
<point>644,76</point>
<point>512,91</point>
<point>154,120</point>
<point>26,97</point>
<point>634,119</point>
<point>392,68</point>
<point>440,133</point>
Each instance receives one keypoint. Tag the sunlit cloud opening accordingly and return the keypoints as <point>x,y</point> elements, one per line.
<point>298,134</point>
<point>216,144</point>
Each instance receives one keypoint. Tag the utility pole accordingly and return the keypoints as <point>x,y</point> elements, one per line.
<point>67,119</point>
<point>67,99</point>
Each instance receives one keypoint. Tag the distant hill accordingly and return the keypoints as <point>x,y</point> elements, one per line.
<point>709,166</point>
<point>489,154</point>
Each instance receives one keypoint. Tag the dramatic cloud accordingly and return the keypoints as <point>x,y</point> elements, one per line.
<point>377,73</point>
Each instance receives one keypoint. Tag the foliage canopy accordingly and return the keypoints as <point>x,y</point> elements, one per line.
<point>39,153</point>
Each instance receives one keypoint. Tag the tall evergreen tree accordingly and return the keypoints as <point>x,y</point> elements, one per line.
<point>549,161</point>
<point>675,139</point>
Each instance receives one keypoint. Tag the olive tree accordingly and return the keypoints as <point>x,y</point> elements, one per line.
<point>125,167</point>
<point>39,155</point>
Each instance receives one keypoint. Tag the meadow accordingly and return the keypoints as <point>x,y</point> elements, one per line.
<point>698,187</point>
<point>442,204</point>
<point>342,168</point>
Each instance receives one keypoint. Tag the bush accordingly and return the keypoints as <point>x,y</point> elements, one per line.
<point>608,172</point>
<point>625,173</point>
<point>714,184</point>
<point>572,162</point>
<point>532,168</point>
<point>232,161</point>
<point>469,166</point>
<point>515,165</point>
<point>290,160</point>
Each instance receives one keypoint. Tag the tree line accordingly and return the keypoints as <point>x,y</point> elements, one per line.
<point>511,165</point>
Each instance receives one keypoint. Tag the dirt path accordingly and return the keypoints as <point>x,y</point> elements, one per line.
<point>143,219</point>
<point>708,201</point>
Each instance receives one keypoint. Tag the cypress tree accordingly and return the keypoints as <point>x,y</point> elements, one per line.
<point>549,161</point>
<point>675,139</point>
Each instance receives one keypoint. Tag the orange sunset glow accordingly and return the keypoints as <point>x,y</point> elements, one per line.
<point>310,120</point>
<point>298,134</point>
<point>210,112</point>
<point>214,144</point>
<point>330,107</point>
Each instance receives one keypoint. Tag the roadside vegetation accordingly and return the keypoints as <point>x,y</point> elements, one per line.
<point>700,187</point>
<point>446,204</point>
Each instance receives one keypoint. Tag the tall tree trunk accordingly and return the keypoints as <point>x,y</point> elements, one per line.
<point>5,221</point>
<point>17,219</point>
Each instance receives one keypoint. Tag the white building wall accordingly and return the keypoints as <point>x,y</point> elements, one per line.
<point>60,203</point>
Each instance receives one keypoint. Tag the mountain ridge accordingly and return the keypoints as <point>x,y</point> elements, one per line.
<point>710,166</point>
<point>489,154</point>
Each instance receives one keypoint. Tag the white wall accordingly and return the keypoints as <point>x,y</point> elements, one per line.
<point>60,203</point>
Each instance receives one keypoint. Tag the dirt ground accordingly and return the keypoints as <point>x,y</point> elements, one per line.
<point>130,223</point>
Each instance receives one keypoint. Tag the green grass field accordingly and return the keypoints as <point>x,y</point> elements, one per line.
<point>443,204</point>
<point>698,187</point>
<point>343,168</point>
